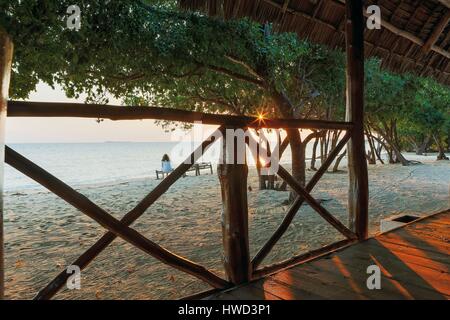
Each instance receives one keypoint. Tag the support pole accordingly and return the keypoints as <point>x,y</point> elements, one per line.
<point>357,165</point>
<point>233,182</point>
<point>6,52</point>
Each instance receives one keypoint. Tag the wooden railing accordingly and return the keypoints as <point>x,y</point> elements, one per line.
<point>49,110</point>
<point>239,266</point>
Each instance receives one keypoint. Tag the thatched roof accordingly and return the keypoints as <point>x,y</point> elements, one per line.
<point>414,36</point>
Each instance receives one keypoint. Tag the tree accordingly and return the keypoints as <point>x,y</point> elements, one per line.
<point>429,114</point>
<point>387,98</point>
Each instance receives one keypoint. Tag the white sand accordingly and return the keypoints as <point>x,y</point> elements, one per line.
<point>43,234</point>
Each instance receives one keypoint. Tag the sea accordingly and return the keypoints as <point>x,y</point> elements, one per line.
<point>80,164</point>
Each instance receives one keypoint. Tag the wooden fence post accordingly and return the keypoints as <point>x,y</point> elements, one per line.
<point>233,181</point>
<point>357,165</point>
<point>6,50</point>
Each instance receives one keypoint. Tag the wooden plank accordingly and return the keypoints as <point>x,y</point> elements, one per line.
<point>443,222</point>
<point>220,296</point>
<point>94,111</point>
<point>6,55</point>
<point>313,254</point>
<point>441,231</point>
<point>284,291</point>
<point>427,234</point>
<point>328,273</point>
<point>413,251</point>
<point>413,277</point>
<point>246,292</point>
<point>407,255</point>
<point>250,292</point>
<point>403,237</point>
<point>321,285</point>
<point>86,258</point>
<point>440,218</point>
<point>436,32</point>
<point>354,277</point>
<point>358,196</point>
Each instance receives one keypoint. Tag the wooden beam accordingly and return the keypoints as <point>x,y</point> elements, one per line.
<point>317,8</point>
<point>285,6</point>
<point>436,32</point>
<point>402,33</point>
<point>357,163</point>
<point>107,221</point>
<point>389,26</point>
<point>233,182</point>
<point>445,3</point>
<point>302,258</point>
<point>86,258</point>
<point>324,213</point>
<point>6,54</point>
<point>93,111</point>
<point>411,37</point>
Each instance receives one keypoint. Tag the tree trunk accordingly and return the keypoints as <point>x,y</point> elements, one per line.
<point>313,156</point>
<point>399,157</point>
<point>389,137</point>
<point>371,155</point>
<point>298,158</point>
<point>441,155</point>
<point>338,161</point>
<point>420,149</point>
<point>322,149</point>
<point>327,143</point>
<point>379,147</point>
<point>371,152</point>
<point>441,151</point>
<point>261,178</point>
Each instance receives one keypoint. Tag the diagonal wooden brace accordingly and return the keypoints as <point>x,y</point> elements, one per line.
<point>83,261</point>
<point>113,225</point>
<point>265,250</point>
<point>283,173</point>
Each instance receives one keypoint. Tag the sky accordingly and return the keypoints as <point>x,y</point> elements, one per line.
<point>73,130</point>
<point>80,130</point>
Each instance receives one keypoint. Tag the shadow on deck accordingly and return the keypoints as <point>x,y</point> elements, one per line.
<point>414,263</point>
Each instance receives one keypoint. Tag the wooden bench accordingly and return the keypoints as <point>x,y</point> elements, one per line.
<point>195,167</point>
<point>203,165</point>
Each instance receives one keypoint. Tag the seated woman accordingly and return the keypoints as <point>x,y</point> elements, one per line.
<point>166,166</point>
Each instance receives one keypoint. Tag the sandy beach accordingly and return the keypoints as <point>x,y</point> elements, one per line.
<point>43,234</point>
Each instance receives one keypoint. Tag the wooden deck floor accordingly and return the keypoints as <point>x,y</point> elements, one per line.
<point>414,262</point>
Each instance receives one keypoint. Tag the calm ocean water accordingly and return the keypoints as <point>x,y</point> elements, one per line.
<point>93,163</point>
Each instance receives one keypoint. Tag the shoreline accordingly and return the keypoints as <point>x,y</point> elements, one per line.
<point>36,189</point>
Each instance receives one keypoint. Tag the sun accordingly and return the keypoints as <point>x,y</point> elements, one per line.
<point>261,116</point>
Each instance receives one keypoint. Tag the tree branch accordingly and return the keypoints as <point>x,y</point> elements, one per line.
<point>246,66</point>
<point>234,75</point>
